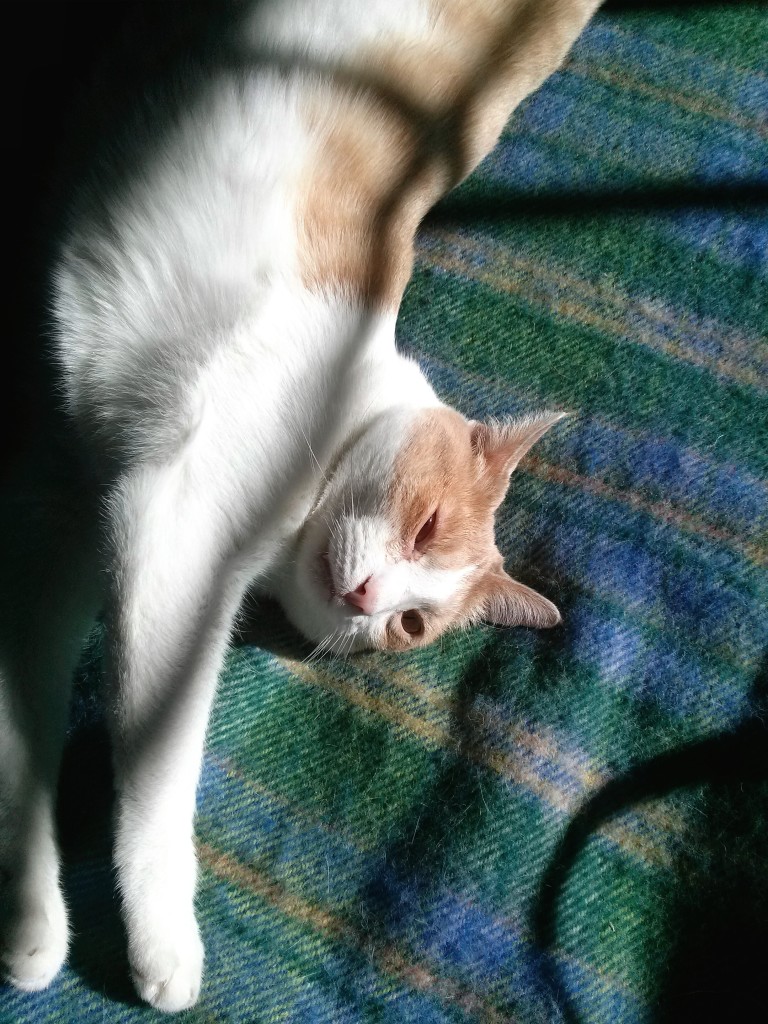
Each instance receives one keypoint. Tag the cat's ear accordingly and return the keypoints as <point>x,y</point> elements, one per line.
<point>501,444</point>
<point>505,602</point>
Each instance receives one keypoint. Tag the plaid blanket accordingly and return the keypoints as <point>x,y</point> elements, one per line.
<point>520,826</point>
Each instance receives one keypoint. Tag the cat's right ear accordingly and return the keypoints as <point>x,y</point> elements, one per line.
<point>499,445</point>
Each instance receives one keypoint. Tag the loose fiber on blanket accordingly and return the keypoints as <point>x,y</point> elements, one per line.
<point>517,826</point>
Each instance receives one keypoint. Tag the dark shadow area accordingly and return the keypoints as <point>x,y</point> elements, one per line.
<point>55,68</point>
<point>458,209</point>
<point>673,6</point>
<point>718,916</point>
<point>86,795</point>
<point>262,623</point>
<point>717,968</point>
<point>85,806</point>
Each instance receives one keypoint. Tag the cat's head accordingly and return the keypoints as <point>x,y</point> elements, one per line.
<point>400,546</point>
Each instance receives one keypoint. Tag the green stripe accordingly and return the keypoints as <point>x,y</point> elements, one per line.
<point>557,360</point>
<point>633,251</point>
<point>736,35</point>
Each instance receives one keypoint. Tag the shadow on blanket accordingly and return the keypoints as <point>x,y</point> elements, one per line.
<point>718,915</point>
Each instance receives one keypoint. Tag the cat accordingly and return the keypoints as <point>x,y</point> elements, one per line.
<point>223,303</point>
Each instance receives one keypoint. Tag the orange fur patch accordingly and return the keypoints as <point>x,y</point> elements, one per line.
<point>437,469</point>
<point>461,471</point>
<point>397,126</point>
<point>364,198</point>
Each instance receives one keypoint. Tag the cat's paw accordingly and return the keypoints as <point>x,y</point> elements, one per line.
<point>34,946</point>
<point>167,972</point>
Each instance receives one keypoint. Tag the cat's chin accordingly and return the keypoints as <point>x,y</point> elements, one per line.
<point>346,635</point>
<point>312,606</point>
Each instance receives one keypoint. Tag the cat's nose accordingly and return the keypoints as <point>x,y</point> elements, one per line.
<point>363,597</point>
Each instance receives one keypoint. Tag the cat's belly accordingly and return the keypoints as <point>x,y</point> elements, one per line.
<point>167,262</point>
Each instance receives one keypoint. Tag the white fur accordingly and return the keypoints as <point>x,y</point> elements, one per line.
<point>332,32</point>
<point>239,426</point>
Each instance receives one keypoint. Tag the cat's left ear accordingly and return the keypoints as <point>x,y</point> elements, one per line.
<point>501,444</point>
<point>505,602</point>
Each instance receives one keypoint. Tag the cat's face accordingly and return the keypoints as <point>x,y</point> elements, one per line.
<point>400,546</point>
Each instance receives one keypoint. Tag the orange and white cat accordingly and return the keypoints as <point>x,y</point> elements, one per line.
<point>224,303</point>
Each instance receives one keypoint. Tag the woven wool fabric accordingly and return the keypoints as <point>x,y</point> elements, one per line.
<point>521,826</point>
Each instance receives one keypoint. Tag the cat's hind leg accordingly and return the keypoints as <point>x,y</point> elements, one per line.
<point>49,595</point>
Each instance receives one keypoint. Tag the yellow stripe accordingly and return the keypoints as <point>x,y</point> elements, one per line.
<point>692,104</point>
<point>662,510</point>
<point>296,811</point>
<point>523,278</point>
<point>387,957</point>
<point>499,762</point>
<point>679,52</point>
<point>591,779</point>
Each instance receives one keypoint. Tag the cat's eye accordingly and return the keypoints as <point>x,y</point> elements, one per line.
<point>427,530</point>
<point>412,622</point>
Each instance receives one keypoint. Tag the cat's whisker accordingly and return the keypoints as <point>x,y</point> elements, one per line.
<point>316,651</point>
<point>348,646</point>
<point>323,647</point>
<point>331,523</point>
<point>311,452</point>
<point>341,639</point>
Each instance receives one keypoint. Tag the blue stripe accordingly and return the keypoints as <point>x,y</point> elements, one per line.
<point>492,955</point>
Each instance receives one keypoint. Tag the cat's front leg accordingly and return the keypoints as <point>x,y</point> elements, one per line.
<point>175,593</point>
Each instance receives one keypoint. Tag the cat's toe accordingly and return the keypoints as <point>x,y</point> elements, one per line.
<point>35,950</point>
<point>177,992</point>
<point>169,979</point>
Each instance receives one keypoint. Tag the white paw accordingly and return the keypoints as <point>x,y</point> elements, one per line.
<point>167,972</point>
<point>35,947</point>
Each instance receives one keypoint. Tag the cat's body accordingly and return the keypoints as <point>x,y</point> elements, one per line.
<point>224,306</point>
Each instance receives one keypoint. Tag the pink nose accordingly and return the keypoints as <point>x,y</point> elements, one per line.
<point>363,597</point>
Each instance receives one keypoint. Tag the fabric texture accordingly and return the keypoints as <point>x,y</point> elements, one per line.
<point>517,826</point>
